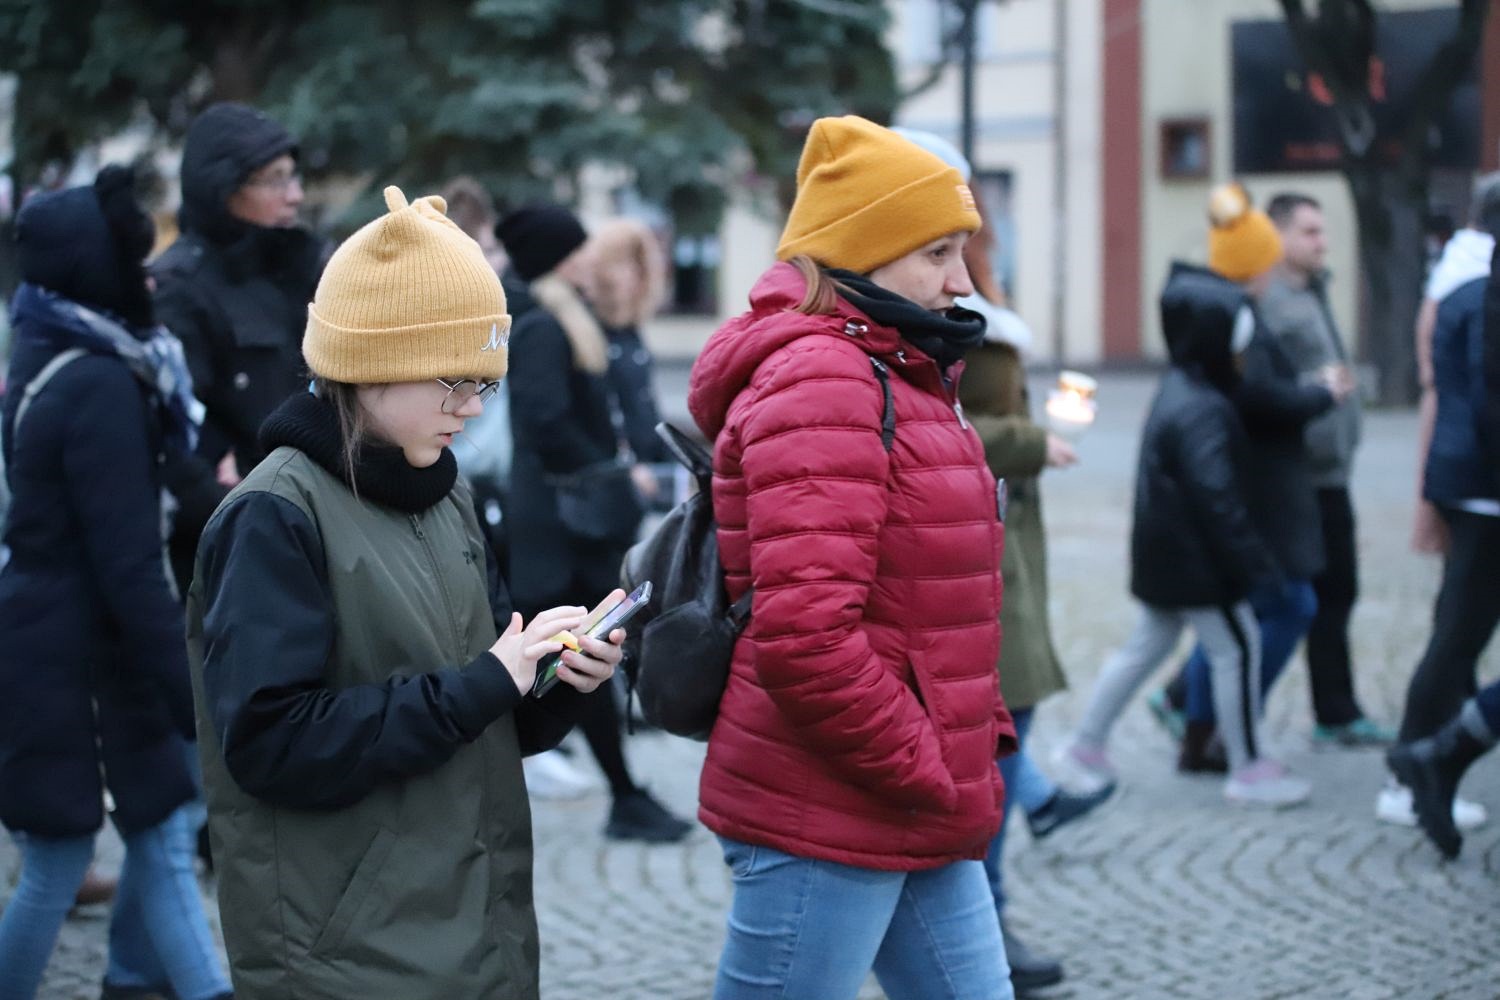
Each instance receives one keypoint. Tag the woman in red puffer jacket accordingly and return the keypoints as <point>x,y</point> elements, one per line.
<point>851,774</point>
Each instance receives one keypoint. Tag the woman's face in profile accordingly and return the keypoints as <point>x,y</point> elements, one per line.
<point>932,276</point>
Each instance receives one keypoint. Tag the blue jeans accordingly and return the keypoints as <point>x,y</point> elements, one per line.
<point>1025,786</point>
<point>1285,613</point>
<point>801,928</point>
<point>158,934</point>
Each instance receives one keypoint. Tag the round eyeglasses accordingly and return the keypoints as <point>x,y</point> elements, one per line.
<point>463,390</point>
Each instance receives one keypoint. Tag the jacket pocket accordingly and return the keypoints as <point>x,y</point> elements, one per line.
<point>355,894</point>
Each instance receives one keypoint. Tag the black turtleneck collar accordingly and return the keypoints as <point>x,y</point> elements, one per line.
<point>943,336</point>
<point>381,472</point>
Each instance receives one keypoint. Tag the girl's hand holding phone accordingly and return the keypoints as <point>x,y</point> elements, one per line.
<point>597,659</point>
<point>518,649</point>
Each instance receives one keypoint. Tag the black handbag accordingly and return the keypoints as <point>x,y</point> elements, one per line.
<point>599,502</point>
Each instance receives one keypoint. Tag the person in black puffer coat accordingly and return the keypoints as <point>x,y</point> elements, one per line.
<point>92,658</point>
<point>234,287</point>
<point>562,422</point>
<point>1195,556</point>
<point>1275,407</point>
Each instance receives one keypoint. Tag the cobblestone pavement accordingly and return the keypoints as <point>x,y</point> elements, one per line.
<point>1168,892</point>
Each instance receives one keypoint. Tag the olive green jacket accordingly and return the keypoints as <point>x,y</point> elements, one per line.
<point>420,887</point>
<point>993,392</point>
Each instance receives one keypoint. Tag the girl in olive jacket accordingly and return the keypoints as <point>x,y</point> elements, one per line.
<point>360,678</point>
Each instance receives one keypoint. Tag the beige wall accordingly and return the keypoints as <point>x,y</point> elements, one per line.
<point>1015,131</point>
<point>1187,71</point>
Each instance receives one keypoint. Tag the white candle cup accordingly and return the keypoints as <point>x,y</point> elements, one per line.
<point>1070,407</point>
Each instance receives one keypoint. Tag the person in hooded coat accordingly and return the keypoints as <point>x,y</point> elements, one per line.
<point>234,288</point>
<point>1195,554</point>
<point>851,773</point>
<point>91,638</point>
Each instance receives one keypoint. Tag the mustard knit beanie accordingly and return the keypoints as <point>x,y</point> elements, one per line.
<point>407,298</point>
<point>1242,240</point>
<point>866,196</point>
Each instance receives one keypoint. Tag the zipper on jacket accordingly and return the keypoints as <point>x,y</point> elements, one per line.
<point>437,571</point>
<point>958,410</point>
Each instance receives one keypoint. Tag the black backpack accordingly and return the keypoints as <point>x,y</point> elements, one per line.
<point>678,654</point>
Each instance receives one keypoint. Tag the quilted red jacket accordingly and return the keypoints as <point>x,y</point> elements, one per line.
<point>862,718</point>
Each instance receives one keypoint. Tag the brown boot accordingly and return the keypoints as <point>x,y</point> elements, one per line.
<point>95,889</point>
<point>1202,752</point>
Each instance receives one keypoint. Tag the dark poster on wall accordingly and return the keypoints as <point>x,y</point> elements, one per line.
<point>1283,114</point>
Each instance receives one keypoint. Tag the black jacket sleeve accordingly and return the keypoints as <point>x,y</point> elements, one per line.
<point>1269,396</point>
<point>541,723</point>
<point>1490,337</point>
<point>1204,459</point>
<point>192,479</point>
<point>268,631</point>
<point>630,381</point>
<point>541,397</point>
<point>107,462</point>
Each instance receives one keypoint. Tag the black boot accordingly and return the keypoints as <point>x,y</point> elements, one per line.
<point>1202,751</point>
<point>1063,808</point>
<point>1431,768</point>
<point>635,815</point>
<point>1028,971</point>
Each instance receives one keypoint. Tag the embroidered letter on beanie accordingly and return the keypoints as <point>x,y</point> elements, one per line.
<point>498,341</point>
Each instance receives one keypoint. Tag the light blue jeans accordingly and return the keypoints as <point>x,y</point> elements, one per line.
<point>802,929</point>
<point>1025,786</point>
<point>158,933</point>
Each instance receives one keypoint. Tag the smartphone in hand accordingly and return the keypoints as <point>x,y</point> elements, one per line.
<point>599,626</point>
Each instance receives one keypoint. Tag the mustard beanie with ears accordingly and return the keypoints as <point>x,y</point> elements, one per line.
<point>867,196</point>
<point>408,297</point>
<point>1242,240</point>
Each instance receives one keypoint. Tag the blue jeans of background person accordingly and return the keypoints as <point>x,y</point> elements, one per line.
<point>799,927</point>
<point>1285,612</point>
<point>1025,786</point>
<point>158,934</point>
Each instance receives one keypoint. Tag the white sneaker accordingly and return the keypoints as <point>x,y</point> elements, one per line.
<point>1393,805</point>
<point>1082,769</point>
<point>551,775</point>
<point>1266,783</point>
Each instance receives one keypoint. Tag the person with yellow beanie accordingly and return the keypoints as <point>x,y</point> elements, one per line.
<point>851,773</point>
<point>1274,406</point>
<point>361,679</point>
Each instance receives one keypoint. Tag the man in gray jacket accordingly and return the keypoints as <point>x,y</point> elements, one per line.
<point>1295,309</point>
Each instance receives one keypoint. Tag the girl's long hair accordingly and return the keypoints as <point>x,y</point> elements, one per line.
<point>344,398</point>
<point>822,295</point>
<point>626,247</point>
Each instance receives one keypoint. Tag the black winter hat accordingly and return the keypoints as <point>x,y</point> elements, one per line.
<point>225,145</point>
<point>539,237</point>
<point>89,244</point>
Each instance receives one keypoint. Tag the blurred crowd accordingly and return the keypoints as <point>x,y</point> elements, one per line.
<point>292,530</point>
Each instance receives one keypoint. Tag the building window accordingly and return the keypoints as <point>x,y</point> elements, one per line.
<point>1185,153</point>
<point>995,189</point>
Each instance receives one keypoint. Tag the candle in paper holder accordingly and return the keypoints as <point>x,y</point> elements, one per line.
<point>1071,407</point>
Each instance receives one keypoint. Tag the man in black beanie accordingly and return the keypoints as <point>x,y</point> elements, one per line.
<point>235,288</point>
<point>563,427</point>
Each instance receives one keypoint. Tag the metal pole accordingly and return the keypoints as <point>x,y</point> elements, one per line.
<point>966,46</point>
<point>1060,183</point>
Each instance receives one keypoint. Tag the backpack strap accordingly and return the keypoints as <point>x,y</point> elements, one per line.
<point>888,412</point>
<point>39,382</point>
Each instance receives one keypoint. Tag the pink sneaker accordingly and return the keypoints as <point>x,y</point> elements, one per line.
<point>1083,769</point>
<point>1266,783</point>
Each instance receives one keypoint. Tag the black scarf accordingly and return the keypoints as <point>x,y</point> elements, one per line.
<point>943,336</point>
<point>381,472</point>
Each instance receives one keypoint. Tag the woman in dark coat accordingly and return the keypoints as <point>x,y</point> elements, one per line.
<point>562,421</point>
<point>91,637</point>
